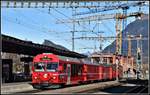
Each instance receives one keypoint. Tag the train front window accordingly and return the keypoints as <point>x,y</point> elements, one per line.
<point>39,67</point>
<point>52,67</point>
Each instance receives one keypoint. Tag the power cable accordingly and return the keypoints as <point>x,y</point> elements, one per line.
<point>17,21</point>
<point>39,25</point>
<point>59,20</point>
<point>70,18</point>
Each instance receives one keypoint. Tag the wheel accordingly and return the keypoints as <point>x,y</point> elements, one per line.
<point>62,85</point>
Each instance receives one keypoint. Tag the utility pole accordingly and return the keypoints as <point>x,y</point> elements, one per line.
<point>129,52</point>
<point>72,40</point>
<point>124,24</point>
<point>139,58</point>
<point>129,45</point>
<point>73,11</point>
<point>100,36</point>
<point>119,19</point>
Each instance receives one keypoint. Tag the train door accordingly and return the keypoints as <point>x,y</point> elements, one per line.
<point>26,69</point>
<point>68,73</point>
<point>100,72</point>
<point>85,72</point>
<point>6,70</point>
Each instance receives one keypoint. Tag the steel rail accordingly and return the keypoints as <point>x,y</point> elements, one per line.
<point>130,90</point>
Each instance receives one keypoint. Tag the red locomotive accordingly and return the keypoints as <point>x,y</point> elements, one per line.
<point>50,69</point>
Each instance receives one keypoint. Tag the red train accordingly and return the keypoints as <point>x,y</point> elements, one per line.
<point>50,69</point>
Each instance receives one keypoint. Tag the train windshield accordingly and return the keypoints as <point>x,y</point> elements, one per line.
<point>52,67</point>
<point>39,67</point>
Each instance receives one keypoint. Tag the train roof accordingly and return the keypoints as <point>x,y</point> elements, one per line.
<point>64,58</point>
<point>82,61</point>
<point>77,60</point>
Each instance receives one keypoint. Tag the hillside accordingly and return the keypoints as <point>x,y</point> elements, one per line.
<point>49,43</point>
<point>136,27</point>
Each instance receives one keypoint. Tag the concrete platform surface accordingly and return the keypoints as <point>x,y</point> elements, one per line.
<point>8,88</point>
<point>26,86</point>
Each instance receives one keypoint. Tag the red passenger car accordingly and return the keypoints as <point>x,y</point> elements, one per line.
<point>50,69</point>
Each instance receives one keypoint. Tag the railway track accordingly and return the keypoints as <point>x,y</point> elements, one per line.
<point>103,87</point>
<point>42,90</point>
<point>138,88</point>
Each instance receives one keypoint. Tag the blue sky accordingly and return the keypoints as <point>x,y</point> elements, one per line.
<point>37,24</point>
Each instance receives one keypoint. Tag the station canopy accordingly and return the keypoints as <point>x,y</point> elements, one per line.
<point>14,45</point>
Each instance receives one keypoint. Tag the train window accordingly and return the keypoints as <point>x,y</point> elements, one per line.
<point>64,66</point>
<point>105,60</point>
<point>39,67</point>
<point>52,67</point>
<point>80,70</point>
<point>73,70</point>
<point>111,60</point>
<point>76,69</point>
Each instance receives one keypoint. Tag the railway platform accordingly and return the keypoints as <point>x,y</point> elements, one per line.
<point>26,87</point>
<point>8,88</point>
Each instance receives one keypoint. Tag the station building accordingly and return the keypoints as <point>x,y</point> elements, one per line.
<point>16,67</point>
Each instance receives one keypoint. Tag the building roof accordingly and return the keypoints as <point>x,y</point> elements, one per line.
<point>14,45</point>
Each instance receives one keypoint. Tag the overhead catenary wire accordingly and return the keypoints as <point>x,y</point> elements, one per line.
<point>65,15</point>
<point>59,20</point>
<point>17,21</point>
<point>45,28</point>
<point>38,24</point>
<point>71,18</point>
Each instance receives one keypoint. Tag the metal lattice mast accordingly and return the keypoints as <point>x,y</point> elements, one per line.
<point>118,35</point>
<point>124,24</point>
<point>139,57</point>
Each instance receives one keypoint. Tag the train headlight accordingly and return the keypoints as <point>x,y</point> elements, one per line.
<point>35,77</point>
<point>54,77</point>
<point>45,75</point>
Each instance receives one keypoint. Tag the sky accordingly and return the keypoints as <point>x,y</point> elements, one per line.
<point>37,24</point>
